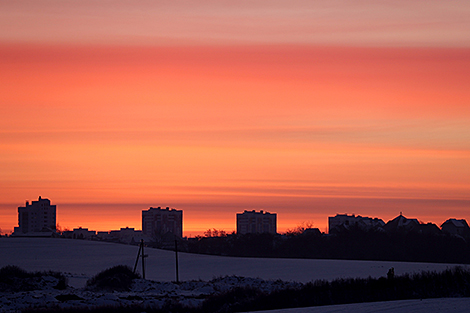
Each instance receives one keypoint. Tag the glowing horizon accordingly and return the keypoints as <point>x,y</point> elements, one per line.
<point>305,110</point>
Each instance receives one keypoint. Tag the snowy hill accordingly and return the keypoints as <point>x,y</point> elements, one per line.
<point>82,259</point>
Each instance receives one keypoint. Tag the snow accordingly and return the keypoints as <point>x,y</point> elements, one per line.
<point>143,291</point>
<point>81,259</point>
<point>201,275</point>
<point>448,305</point>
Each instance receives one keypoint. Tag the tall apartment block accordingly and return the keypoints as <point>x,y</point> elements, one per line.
<point>39,216</point>
<point>158,221</point>
<point>251,222</point>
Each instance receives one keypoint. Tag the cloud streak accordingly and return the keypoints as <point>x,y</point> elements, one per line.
<point>365,23</point>
<point>303,108</point>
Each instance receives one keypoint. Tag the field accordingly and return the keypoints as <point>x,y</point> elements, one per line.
<point>82,259</point>
<point>79,260</point>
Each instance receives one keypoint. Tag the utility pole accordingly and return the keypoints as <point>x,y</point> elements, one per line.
<point>176,255</point>
<point>140,254</point>
<point>143,258</point>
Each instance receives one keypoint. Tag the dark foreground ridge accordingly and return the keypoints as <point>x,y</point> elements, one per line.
<point>450,283</point>
<point>453,282</point>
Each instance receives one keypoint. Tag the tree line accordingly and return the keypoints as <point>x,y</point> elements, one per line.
<point>354,244</point>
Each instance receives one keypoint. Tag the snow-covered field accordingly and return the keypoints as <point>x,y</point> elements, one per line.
<point>80,260</point>
<point>446,305</point>
<point>83,259</point>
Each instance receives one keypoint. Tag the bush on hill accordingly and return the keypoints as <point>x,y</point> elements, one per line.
<point>14,278</point>
<point>118,278</point>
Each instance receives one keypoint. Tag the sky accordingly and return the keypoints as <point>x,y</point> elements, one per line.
<point>306,109</point>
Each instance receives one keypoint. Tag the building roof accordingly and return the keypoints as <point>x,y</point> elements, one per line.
<point>401,222</point>
<point>455,222</point>
<point>257,213</point>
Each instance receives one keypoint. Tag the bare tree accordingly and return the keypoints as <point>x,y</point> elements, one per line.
<point>215,233</point>
<point>299,229</point>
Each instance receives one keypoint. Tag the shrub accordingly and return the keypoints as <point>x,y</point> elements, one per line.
<point>233,300</point>
<point>14,278</point>
<point>12,271</point>
<point>117,278</point>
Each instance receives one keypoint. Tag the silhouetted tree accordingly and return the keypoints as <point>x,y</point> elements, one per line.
<point>299,229</point>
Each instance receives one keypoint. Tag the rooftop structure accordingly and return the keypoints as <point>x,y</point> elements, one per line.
<point>401,223</point>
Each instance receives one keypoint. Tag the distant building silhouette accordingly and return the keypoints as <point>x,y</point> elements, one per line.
<point>342,222</point>
<point>251,222</point>
<point>401,224</point>
<point>456,227</point>
<point>405,225</point>
<point>37,218</point>
<point>158,222</point>
<point>315,232</point>
<point>126,235</point>
<point>429,229</point>
<point>82,233</point>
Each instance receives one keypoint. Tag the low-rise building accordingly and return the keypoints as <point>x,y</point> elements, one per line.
<point>130,235</point>
<point>402,224</point>
<point>342,222</point>
<point>428,229</point>
<point>456,227</point>
<point>124,235</point>
<point>83,233</point>
<point>312,232</point>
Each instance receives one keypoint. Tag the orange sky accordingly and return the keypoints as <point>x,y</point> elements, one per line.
<point>306,111</point>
